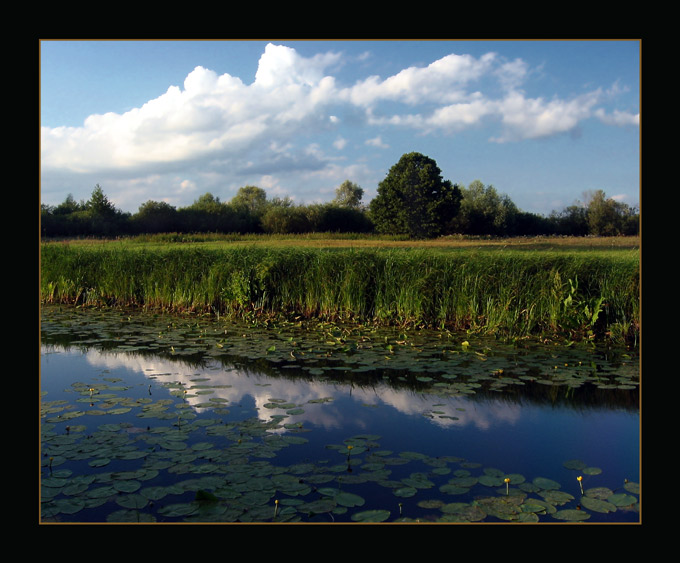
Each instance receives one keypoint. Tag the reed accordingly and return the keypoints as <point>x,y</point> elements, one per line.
<point>512,292</point>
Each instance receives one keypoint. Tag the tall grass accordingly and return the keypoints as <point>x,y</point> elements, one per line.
<point>510,292</point>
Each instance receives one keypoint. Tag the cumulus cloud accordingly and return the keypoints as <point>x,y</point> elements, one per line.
<point>617,117</point>
<point>217,123</point>
<point>377,142</point>
<point>531,118</point>
<point>212,115</point>
<point>444,80</point>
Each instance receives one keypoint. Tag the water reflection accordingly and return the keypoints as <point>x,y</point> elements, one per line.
<point>527,418</point>
<point>212,385</point>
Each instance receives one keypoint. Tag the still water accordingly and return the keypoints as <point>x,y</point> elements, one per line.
<point>139,426</point>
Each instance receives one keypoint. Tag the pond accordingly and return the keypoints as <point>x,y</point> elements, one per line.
<point>154,419</point>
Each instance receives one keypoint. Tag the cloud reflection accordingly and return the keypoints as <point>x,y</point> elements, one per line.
<point>303,402</point>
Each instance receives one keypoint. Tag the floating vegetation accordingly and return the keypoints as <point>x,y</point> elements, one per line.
<point>117,451</point>
<point>578,294</point>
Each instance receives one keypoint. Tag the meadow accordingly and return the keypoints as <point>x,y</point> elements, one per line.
<point>574,288</point>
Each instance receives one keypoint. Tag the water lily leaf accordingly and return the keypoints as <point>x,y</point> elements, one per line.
<point>54,482</point>
<point>592,470</point>
<point>205,496</point>
<point>571,515</point>
<point>451,489</point>
<point>431,503</point>
<point>132,501</point>
<point>549,508</point>
<point>601,493</point>
<point>622,499</point>
<point>502,507</point>
<point>101,492</point>
<point>597,505</point>
<point>463,512</point>
<point>128,486</point>
<point>69,505</point>
<point>371,516</point>
<point>491,480</point>
<point>178,509</point>
<point>533,506</point>
<point>557,498</point>
<point>155,493</point>
<point>470,481</point>
<point>515,478</point>
<point>318,506</point>
<point>546,484</point>
<point>632,487</point>
<point>405,492</point>
<point>99,462</point>
<point>75,489</point>
<point>528,517</point>
<point>575,464</point>
<point>200,446</point>
<point>349,499</point>
<point>454,507</point>
<point>130,516</point>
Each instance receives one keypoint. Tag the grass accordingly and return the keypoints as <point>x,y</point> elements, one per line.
<point>512,287</point>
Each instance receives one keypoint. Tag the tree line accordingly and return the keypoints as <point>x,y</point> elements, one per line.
<point>413,200</point>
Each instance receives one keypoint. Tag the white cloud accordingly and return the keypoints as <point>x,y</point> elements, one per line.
<point>531,118</point>
<point>219,127</point>
<point>617,117</point>
<point>212,115</point>
<point>377,142</point>
<point>441,81</point>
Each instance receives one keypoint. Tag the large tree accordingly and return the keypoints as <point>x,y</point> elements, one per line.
<point>348,195</point>
<point>252,199</point>
<point>484,211</point>
<point>414,200</point>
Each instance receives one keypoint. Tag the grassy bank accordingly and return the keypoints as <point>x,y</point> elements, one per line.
<point>498,287</point>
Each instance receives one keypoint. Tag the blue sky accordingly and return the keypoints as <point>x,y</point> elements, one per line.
<point>542,121</point>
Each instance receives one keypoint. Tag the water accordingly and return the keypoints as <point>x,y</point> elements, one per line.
<point>141,434</point>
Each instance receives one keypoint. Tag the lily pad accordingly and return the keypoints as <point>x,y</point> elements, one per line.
<point>349,499</point>
<point>601,493</point>
<point>632,487</point>
<point>557,498</point>
<point>132,501</point>
<point>130,516</point>
<point>597,505</point>
<point>463,512</point>
<point>405,492</point>
<point>127,486</point>
<point>575,464</point>
<point>451,489</point>
<point>571,515</point>
<point>592,470</point>
<point>622,499</point>
<point>70,505</point>
<point>371,516</point>
<point>546,484</point>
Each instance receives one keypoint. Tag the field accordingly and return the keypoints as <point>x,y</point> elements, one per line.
<point>572,287</point>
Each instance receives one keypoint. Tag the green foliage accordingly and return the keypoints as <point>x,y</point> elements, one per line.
<point>608,217</point>
<point>283,216</point>
<point>507,292</point>
<point>250,203</point>
<point>99,205</point>
<point>348,195</point>
<point>156,217</point>
<point>484,211</point>
<point>414,200</point>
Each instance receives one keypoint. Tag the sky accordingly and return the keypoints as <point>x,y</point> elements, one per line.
<point>542,121</point>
